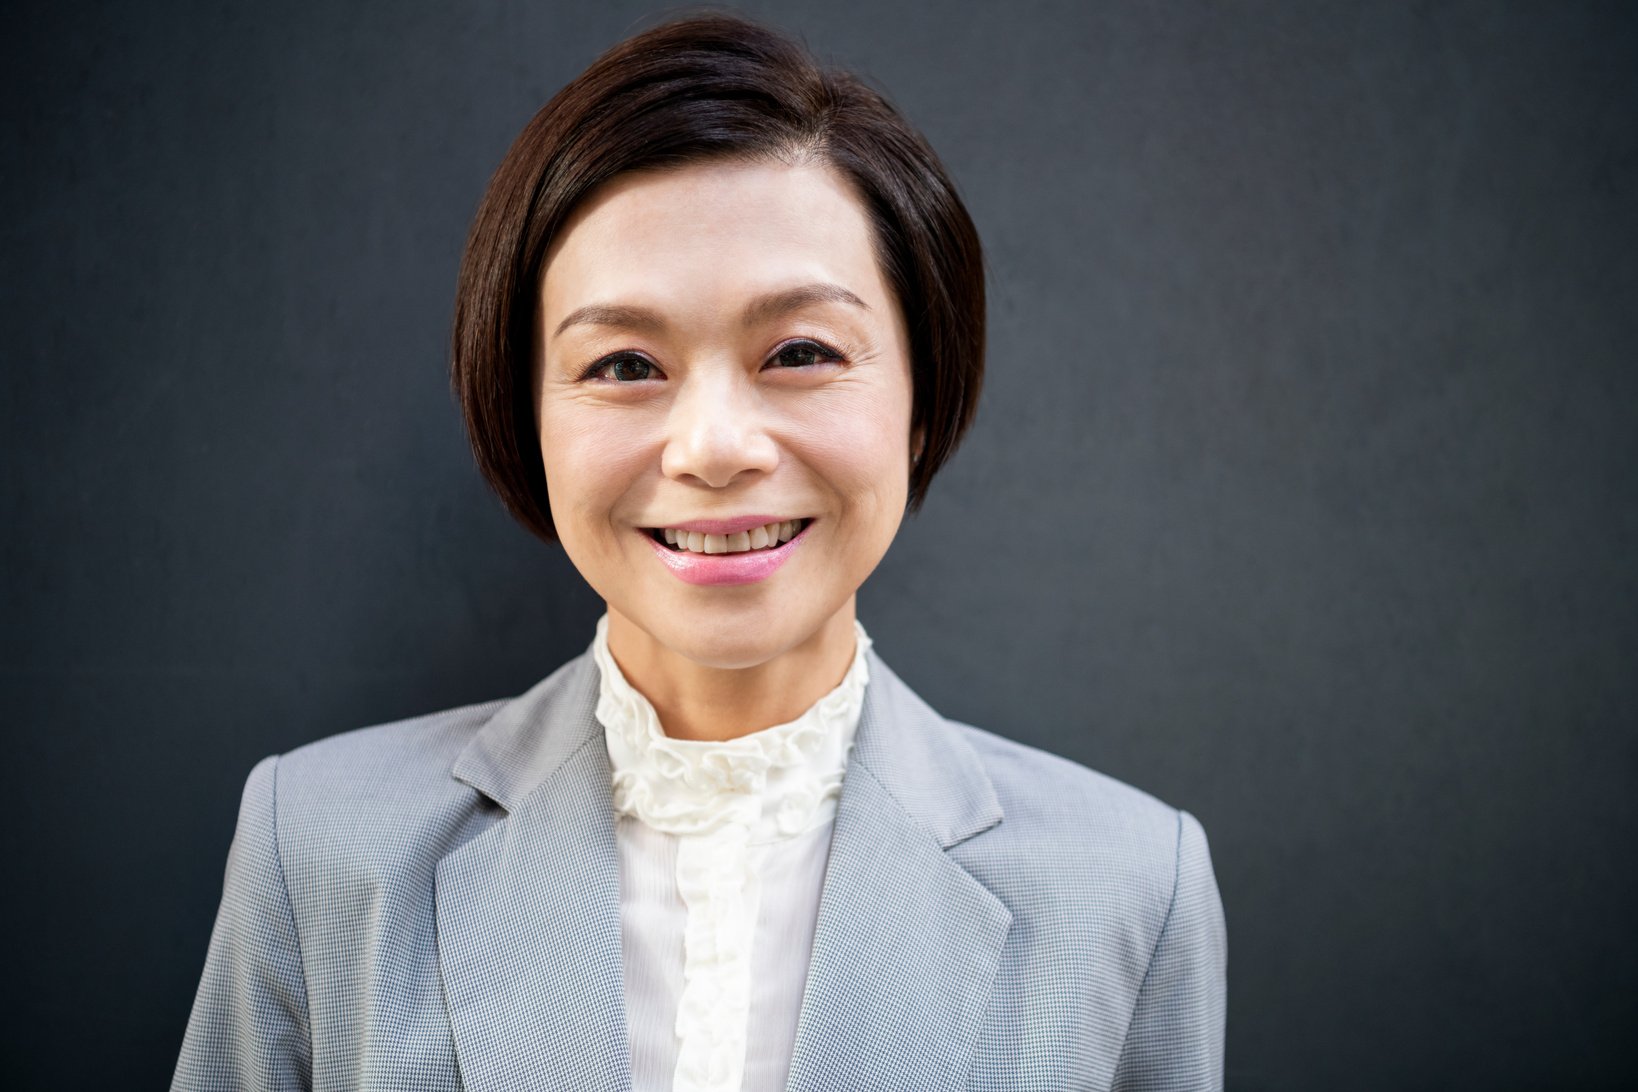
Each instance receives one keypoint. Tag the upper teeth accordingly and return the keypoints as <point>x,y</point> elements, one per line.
<point>756,538</point>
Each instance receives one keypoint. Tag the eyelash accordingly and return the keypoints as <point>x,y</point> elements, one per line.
<point>593,370</point>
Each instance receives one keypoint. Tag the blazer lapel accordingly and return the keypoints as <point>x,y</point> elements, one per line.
<point>529,910</point>
<point>907,943</point>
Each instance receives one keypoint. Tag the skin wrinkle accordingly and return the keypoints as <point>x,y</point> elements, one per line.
<point>717,430</point>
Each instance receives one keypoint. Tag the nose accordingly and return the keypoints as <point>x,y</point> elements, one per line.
<point>717,430</point>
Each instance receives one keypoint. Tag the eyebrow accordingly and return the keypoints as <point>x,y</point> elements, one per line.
<point>762,309</point>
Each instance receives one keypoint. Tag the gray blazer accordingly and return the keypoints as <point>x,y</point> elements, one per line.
<point>435,904</point>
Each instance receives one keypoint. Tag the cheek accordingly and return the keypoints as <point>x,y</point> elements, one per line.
<point>860,447</point>
<point>592,460</point>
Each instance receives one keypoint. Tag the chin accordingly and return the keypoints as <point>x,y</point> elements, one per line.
<point>738,639</point>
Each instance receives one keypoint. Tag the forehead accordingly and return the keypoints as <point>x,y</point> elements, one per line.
<point>712,230</point>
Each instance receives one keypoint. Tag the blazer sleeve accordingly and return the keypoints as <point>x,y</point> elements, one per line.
<point>249,1027</point>
<point>1175,1038</point>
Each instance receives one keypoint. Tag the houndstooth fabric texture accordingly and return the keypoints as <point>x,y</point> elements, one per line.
<point>435,904</point>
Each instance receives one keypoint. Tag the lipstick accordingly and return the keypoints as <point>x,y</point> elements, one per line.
<point>747,567</point>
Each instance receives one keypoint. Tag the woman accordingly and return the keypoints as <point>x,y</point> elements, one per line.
<point>727,306</point>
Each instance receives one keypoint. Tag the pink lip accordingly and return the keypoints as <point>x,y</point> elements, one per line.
<point>726,526</point>
<point>707,569</point>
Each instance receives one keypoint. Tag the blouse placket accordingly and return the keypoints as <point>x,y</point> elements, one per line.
<point>730,803</point>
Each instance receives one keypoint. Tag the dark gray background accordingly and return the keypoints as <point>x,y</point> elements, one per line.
<point>1303,493</point>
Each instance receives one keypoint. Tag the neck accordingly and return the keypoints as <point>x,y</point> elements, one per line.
<point>698,702</point>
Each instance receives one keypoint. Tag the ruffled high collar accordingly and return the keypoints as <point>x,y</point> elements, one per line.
<point>774,784</point>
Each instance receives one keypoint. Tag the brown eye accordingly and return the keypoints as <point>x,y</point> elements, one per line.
<point>624,369</point>
<point>803,354</point>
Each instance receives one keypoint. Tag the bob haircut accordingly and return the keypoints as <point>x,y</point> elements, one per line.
<point>704,87</point>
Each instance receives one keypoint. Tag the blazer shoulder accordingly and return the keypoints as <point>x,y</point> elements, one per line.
<point>1024,776</point>
<point>1082,826</point>
<point>414,753</point>
<point>377,795</point>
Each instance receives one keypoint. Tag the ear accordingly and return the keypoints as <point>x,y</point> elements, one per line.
<point>918,443</point>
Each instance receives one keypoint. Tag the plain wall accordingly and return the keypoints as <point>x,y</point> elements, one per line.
<point>1303,493</point>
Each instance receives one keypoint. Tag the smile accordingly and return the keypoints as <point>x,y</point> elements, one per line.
<point>727,552</point>
<point>761,537</point>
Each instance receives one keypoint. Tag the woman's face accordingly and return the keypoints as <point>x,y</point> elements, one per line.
<point>718,354</point>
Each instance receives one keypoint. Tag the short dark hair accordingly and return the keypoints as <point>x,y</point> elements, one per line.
<point>704,87</point>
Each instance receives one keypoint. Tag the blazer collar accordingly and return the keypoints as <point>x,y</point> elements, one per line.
<point>930,772</point>
<point>922,762</point>
<point>906,945</point>
<point>531,736</point>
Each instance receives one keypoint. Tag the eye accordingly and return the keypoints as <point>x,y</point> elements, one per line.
<point>623,368</point>
<point>804,354</point>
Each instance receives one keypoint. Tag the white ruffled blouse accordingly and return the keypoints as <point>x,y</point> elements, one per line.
<point>723,847</point>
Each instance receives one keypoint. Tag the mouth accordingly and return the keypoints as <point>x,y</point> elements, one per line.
<point>727,552</point>
<point>757,539</point>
